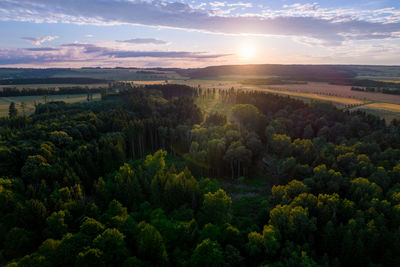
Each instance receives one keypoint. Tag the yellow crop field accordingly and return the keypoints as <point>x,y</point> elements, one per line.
<point>335,99</point>
<point>384,106</point>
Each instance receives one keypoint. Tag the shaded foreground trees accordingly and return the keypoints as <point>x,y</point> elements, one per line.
<point>124,182</point>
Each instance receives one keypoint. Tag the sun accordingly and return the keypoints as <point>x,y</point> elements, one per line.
<point>247,51</point>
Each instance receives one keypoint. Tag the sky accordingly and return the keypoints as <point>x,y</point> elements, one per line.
<point>191,33</point>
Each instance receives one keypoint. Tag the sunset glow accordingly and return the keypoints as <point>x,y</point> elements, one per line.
<point>247,52</point>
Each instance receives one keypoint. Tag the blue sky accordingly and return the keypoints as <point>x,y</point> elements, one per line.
<point>145,33</point>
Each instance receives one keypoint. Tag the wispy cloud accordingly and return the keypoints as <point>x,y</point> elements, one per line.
<point>162,54</point>
<point>116,53</point>
<point>39,40</point>
<point>329,25</point>
<point>82,52</point>
<point>41,49</point>
<point>144,41</point>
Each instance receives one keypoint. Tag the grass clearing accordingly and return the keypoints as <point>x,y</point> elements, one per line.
<point>384,106</point>
<point>378,110</point>
<point>212,104</point>
<point>121,74</point>
<point>335,99</point>
<point>46,86</point>
<point>30,101</point>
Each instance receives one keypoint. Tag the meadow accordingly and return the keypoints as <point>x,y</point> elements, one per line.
<point>31,101</point>
<point>45,86</point>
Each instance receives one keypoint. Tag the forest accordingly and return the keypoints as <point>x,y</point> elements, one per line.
<point>143,178</point>
<point>69,90</point>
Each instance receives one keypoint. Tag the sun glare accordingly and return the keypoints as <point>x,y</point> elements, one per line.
<point>247,51</point>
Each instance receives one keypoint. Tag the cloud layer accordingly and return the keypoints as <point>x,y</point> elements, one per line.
<point>92,53</point>
<point>39,40</point>
<point>144,41</point>
<point>330,26</point>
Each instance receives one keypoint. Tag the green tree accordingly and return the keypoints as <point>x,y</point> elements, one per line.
<point>207,253</point>
<point>216,207</point>
<point>238,154</point>
<point>281,145</point>
<point>156,162</point>
<point>151,244</point>
<point>12,111</point>
<point>35,168</point>
<point>90,257</point>
<point>248,117</point>
<point>232,256</point>
<point>18,243</point>
<point>112,243</point>
<point>91,227</point>
<point>56,226</point>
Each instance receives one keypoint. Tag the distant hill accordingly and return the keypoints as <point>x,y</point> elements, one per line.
<point>293,72</point>
<point>338,74</point>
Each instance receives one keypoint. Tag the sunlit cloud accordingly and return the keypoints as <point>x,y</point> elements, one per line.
<point>144,41</point>
<point>39,40</point>
<point>81,52</point>
<point>332,26</point>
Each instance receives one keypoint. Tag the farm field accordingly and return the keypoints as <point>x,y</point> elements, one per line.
<point>334,99</point>
<point>337,90</point>
<point>45,86</point>
<point>147,82</point>
<point>317,90</point>
<point>120,74</point>
<point>384,106</point>
<point>389,112</point>
<point>30,101</point>
<point>213,83</point>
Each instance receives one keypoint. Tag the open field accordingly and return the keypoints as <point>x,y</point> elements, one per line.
<point>45,86</point>
<point>390,79</point>
<point>116,74</point>
<point>220,84</point>
<point>30,101</point>
<point>337,90</point>
<point>121,74</point>
<point>147,82</point>
<point>321,97</point>
<point>384,106</point>
<point>381,110</point>
<point>317,90</point>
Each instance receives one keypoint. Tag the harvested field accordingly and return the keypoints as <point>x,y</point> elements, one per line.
<point>335,99</point>
<point>384,106</point>
<point>45,86</point>
<point>146,82</point>
<point>30,101</point>
<point>342,91</point>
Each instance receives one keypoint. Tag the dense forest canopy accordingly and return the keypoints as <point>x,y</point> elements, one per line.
<point>148,178</point>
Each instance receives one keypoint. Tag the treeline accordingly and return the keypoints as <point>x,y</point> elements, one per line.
<point>391,91</point>
<point>60,80</point>
<point>12,91</point>
<point>375,84</point>
<point>93,184</point>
